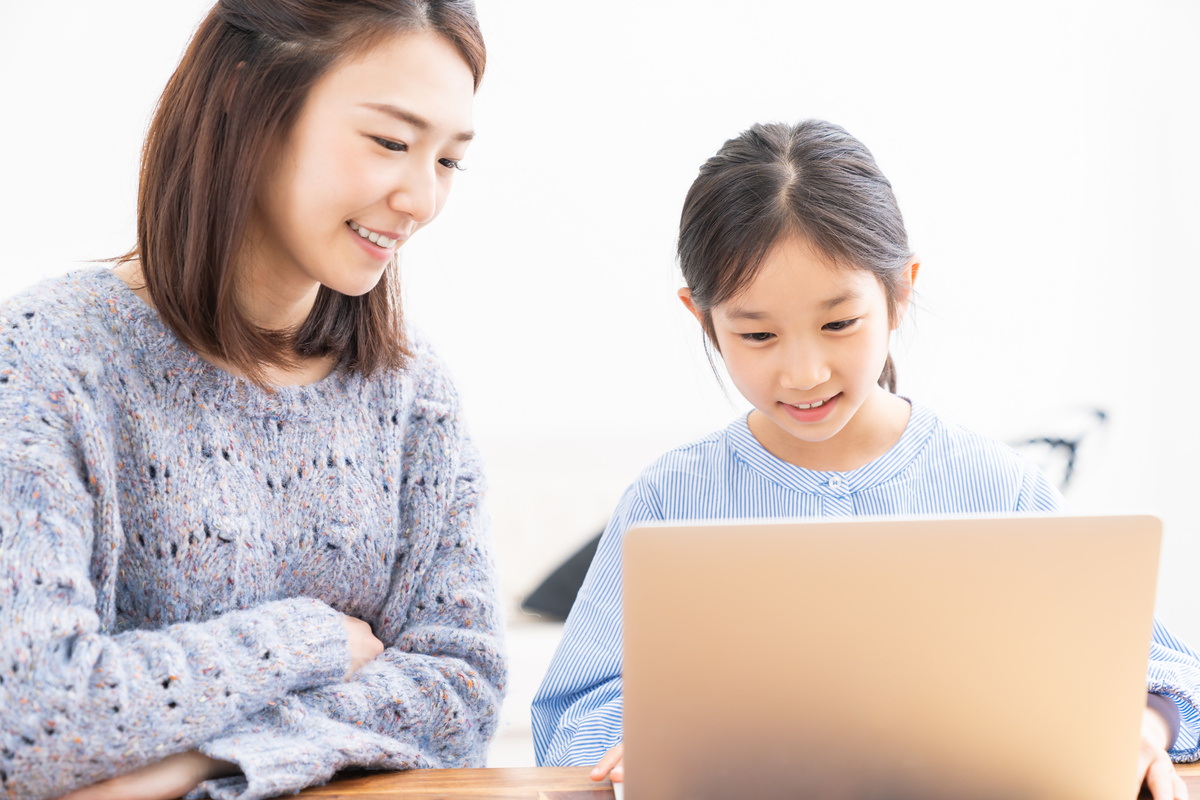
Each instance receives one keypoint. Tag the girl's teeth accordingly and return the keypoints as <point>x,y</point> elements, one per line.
<point>810,405</point>
<point>374,237</point>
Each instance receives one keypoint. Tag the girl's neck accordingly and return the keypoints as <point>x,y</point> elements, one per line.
<point>870,433</point>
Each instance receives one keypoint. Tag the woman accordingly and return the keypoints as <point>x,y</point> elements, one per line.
<point>240,537</point>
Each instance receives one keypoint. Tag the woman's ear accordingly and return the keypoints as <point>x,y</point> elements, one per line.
<point>908,276</point>
<point>685,294</point>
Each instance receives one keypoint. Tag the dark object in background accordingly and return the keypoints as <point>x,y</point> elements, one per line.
<point>555,596</point>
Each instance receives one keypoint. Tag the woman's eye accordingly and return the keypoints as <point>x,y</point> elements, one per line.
<point>450,163</point>
<point>840,325</point>
<point>757,337</point>
<point>388,144</point>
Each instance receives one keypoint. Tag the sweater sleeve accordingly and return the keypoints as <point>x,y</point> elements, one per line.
<point>431,699</point>
<point>577,713</point>
<point>79,703</point>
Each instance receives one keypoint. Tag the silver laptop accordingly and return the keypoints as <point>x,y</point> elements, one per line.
<point>965,658</point>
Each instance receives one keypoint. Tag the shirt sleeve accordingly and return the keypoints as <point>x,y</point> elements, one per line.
<point>431,699</point>
<point>578,709</point>
<point>1174,672</point>
<point>78,702</point>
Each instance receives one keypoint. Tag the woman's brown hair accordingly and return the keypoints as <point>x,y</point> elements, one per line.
<point>236,95</point>
<point>812,179</point>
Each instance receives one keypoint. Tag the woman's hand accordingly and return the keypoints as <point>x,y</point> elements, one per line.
<point>363,644</point>
<point>1154,765</point>
<point>172,777</point>
<point>613,765</point>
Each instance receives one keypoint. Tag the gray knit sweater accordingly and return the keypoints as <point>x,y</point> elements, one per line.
<point>176,544</point>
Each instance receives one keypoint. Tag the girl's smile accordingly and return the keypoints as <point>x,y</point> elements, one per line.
<point>814,411</point>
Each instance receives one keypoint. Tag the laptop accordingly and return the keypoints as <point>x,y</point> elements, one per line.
<point>976,658</point>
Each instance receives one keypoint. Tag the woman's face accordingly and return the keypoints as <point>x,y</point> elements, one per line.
<point>368,162</point>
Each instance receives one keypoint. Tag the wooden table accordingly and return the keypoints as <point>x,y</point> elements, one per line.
<point>545,783</point>
<point>550,783</point>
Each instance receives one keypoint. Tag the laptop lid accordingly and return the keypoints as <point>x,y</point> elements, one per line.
<point>973,657</point>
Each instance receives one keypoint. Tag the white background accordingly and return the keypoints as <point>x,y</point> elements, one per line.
<point>1045,155</point>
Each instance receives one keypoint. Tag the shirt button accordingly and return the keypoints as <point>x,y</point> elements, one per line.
<point>835,483</point>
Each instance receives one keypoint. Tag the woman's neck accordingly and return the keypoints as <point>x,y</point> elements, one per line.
<point>309,370</point>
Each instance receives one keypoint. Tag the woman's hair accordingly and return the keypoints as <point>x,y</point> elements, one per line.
<point>234,97</point>
<point>812,180</point>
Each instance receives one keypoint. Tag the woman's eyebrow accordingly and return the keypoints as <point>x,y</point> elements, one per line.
<point>418,122</point>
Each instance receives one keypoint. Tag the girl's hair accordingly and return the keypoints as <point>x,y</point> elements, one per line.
<point>773,181</point>
<point>236,95</point>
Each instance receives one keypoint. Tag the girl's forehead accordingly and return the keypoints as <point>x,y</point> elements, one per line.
<point>794,274</point>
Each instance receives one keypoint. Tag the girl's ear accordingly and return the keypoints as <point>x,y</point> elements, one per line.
<point>908,276</point>
<point>685,294</point>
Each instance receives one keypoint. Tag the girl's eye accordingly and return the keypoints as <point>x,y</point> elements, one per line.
<point>388,144</point>
<point>450,163</point>
<point>756,337</point>
<point>840,325</point>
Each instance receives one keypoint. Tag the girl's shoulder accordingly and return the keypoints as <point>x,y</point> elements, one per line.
<point>981,470</point>
<point>950,440</point>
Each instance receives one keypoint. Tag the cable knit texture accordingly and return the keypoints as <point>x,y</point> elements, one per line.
<point>176,546</point>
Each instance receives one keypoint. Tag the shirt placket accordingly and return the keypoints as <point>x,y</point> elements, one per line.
<point>837,497</point>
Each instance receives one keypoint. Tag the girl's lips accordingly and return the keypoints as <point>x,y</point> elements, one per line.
<point>812,414</point>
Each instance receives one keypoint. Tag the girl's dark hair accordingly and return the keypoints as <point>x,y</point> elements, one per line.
<point>772,181</point>
<point>235,95</point>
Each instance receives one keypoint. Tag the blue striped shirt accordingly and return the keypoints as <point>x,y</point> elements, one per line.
<point>935,468</point>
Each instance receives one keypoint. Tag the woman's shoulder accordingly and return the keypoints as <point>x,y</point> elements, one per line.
<point>426,381</point>
<point>59,318</point>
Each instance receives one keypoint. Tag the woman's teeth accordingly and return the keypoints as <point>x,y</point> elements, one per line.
<point>372,236</point>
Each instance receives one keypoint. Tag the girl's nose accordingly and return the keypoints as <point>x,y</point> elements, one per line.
<point>415,194</point>
<point>803,368</point>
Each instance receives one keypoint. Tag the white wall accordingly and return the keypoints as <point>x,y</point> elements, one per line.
<point>1044,153</point>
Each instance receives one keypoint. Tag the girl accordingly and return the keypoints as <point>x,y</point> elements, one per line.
<point>798,269</point>
<point>241,545</point>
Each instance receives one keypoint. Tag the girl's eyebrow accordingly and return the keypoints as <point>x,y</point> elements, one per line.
<point>418,122</point>
<point>834,302</point>
<point>826,305</point>
<point>741,313</point>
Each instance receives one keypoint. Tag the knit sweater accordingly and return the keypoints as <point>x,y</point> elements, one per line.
<point>177,547</point>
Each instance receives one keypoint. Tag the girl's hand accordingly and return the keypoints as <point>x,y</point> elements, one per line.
<point>613,766</point>
<point>1159,775</point>
<point>363,644</point>
<point>172,777</point>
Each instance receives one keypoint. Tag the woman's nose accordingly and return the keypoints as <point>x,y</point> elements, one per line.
<point>415,194</point>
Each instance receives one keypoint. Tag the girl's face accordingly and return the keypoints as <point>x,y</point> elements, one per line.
<point>369,162</point>
<point>805,343</point>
